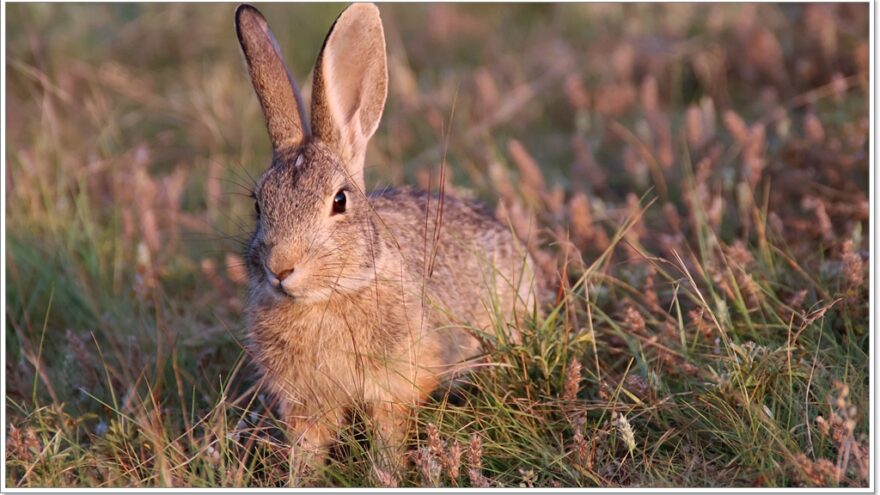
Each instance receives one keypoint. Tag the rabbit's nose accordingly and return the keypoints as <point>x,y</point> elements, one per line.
<point>283,274</point>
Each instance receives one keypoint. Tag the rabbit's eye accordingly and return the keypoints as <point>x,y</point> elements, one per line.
<point>339,202</point>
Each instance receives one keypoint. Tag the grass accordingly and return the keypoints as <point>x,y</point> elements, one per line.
<point>698,174</point>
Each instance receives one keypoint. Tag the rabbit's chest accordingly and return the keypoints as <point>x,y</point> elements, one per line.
<point>328,351</point>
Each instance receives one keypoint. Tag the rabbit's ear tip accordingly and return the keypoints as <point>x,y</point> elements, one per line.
<point>363,8</point>
<point>246,9</point>
<point>248,19</point>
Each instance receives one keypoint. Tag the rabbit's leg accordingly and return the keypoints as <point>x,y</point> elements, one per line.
<point>311,436</point>
<point>391,422</point>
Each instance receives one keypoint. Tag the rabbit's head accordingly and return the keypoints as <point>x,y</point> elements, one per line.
<point>315,231</point>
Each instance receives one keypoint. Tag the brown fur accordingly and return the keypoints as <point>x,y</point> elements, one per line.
<point>372,314</point>
<point>279,96</point>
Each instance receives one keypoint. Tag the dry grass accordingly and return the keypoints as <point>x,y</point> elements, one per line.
<point>698,174</point>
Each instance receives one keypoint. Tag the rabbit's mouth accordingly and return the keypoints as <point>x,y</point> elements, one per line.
<point>279,289</point>
<point>273,287</point>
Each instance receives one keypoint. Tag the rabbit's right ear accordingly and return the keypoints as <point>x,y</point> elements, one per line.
<point>276,90</point>
<point>350,84</point>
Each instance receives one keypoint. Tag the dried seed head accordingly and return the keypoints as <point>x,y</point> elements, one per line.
<point>623,60</point>
<point>487,89</point>
<point>862,457</point>
<point>585,166</point>
<point>475,460</point>
<point>648,289</point>
<point>452,460</point>
<point>16,448</point>
<point>435,445</point>
<point>145,277</point>
<point>572,381</point>
<point>694,127</point>
<point>737,127</point>
<point>853,268</point>
<point>796,300</point>
<point>765,53</point>
<point>634,320</point>
<point>824,426</point>
<point>839,86</point>
<point>813,129</point>
<point>820,473</point>
<point>672,217</point>
<point>614,99</point>
<point>650,95</point>
<point>500,178</point>
<point>580,218</point>
<point>825,226</point>
<point>576,92</point>
<point>739,254</point>
<point>531,177</point>
<point>637,385</point>
<point>701,323</point>
<point>528,478</point>
<point>475,451</point>
<point>150,230</point>
<point>626,432</point>
<point>428,466</point>
<point>715,211</point>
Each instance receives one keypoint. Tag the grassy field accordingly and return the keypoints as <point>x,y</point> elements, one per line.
<point>699,174</point>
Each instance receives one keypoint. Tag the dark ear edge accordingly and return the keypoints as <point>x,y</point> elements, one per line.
<point>276,89</point>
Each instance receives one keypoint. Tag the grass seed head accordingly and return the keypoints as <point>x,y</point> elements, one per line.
<point>817,473</point>
<point>694,127</point>
<point>451,460</point>
<point>577,94</point>
<point>436,446</point>
<point>428,466</point>
<point>384,478</point>
<point>475,462</point>
<point>813,129</point>
<point>634,320</point>
<point>853,269</point>
<point>528,478</point>
<point>626,431</point>
<point>531,177</point>
<point>737,127</point>
<point>572,381</point>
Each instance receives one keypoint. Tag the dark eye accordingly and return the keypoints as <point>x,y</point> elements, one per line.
<point>257,207</point>
<point>339,202</point>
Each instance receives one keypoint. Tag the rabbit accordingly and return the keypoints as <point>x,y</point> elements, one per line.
<point>360,301</point>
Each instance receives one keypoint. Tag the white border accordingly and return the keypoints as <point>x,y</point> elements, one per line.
<point>3,245</point>
<point>872,177</point>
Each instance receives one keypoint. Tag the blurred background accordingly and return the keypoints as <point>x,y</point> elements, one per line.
<point>134,137</point>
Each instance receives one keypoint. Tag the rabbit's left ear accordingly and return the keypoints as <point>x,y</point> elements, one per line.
<point>276,90</point>
<point>350,85</point>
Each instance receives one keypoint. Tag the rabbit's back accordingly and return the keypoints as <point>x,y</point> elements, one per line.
<point>473,269</point>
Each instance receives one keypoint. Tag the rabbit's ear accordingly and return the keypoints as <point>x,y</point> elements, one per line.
<point>350,84</point>
<point>278,93</point>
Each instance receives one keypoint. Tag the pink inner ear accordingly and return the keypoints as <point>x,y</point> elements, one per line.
<point>348,68</point>
<point>354,72</point>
